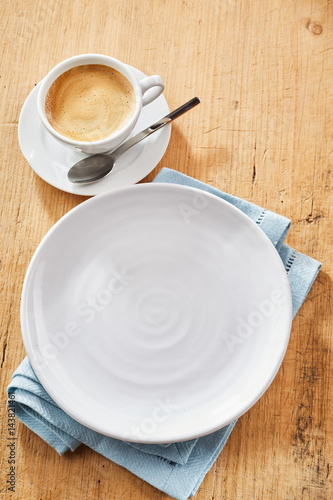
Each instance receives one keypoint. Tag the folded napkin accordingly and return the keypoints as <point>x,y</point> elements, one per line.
<point>178,468</point>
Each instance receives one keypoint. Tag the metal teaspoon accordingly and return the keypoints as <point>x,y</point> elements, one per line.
<point>96,167</point>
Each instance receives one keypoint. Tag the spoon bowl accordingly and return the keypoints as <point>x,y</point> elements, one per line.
<point>98,166</point>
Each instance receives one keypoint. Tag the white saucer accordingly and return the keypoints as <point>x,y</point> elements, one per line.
<point>156,313</point>
<point>51,160</point>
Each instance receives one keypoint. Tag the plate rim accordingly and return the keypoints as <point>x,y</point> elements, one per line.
<point>119,192</point>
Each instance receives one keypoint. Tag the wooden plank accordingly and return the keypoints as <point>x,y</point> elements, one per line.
<point>263,131</point>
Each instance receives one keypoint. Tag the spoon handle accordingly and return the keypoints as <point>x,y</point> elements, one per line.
<point>156,126</point>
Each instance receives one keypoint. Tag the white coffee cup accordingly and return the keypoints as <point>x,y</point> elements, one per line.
<point>146,90</point>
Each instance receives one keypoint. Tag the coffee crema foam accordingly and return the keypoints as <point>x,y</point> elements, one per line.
<point>89,102</point>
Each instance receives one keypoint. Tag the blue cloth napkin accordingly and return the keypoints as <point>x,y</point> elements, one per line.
<point>178,468</point>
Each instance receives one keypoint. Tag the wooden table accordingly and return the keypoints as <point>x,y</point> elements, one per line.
<point>263,131</point>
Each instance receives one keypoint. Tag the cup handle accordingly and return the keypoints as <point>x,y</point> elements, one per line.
<point>155,83</point>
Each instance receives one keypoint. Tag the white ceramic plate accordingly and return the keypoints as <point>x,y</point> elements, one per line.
<point>156,313</point>
<point>51,160</point>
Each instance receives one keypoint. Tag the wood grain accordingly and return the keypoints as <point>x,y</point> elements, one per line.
<point>263,131</point>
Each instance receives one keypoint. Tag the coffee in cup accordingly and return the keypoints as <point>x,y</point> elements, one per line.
<point>89,102</point>
<point>92,102</point>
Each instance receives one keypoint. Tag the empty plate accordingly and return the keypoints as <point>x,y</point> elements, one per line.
<point>156,313</point>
